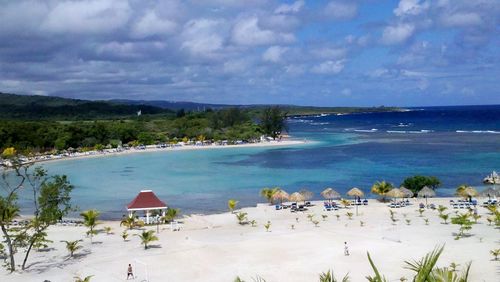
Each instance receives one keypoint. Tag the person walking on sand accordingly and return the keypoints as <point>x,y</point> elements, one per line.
<point>346,249</point>
<point>130,272</point>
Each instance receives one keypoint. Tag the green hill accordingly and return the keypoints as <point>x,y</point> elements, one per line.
<point>43,107</point>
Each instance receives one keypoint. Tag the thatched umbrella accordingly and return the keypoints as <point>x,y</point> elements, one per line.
<point>355,192</point>
<point>296,197</point>
<point>408,192</point>
<point>395,193</point>
<point>468,192</point>
<point>280,195</point>
<point>307,194</point>
<point>490,192</point>
<point>330,194</point>
<point>426,192</point>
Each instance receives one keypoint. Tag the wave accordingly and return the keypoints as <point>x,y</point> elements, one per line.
<point>478,131</point>
<point>410,132</point>
<point>366,130</point>
<point>319,123</point>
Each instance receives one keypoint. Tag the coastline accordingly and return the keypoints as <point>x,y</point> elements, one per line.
<point>154,148</point>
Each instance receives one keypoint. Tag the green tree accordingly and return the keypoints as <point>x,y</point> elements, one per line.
<point>128,221</point>
<point>463,220</point>
<point>147,237</point>
<point>72,246</point>
<point>268,193</point>
<point>231,204</point>
<point>171,214</point>
<point>381,188</point>
<point>272,121</point>
<point>90,221</point>
<point>417,182</point>
<point>241,217</point>
<point>50,198</point>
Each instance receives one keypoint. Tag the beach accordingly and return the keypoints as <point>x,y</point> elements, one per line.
<point>155,148</point>
<point>216,248</point>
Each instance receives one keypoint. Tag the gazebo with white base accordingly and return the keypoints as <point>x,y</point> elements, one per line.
<point>146,201</point>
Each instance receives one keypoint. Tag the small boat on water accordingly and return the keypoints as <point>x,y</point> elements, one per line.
<point>493,178</point>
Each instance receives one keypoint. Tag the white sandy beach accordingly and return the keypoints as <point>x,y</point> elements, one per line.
<point>152,148</point>
<point>217,248</point>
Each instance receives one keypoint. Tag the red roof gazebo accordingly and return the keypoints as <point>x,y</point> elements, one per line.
<point>146,201</point>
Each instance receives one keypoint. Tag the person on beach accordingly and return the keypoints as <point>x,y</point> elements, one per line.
<point>130,272</point>
<point>346,249</point>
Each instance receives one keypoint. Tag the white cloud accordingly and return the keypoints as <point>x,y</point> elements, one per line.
<point>329,52</point>
<point>341,10</point>
<point>346,92</point>
<point>273,54</point>
<point>461,19</point>
<point>150,25</point>
<point>97,16</point>
<point>247,32</point>
<point>203,36</point>
<point>410,7</point>
<point>328,67</point>
<point>397,34</point>
<point>235,66</point>
<point>290,8</point>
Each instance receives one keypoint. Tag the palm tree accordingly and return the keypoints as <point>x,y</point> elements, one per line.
<point>231,204</point>
<point>86,279</point>
<point>124,235</point>
<point>268,193</point>
<point>381,188</point>
<point>171,214</point>
<point>444,217</point>
<point>108,230</point>
<point>128,221</point>
<point>241,217</point>
<point>464,222</point>
<point>90,220</point>
<point>147,237</point>
<point>495,253</point>
<point>72,246</point>
<point>330,277</point>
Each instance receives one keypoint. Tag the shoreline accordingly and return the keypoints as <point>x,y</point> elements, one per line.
<point>154,148</point>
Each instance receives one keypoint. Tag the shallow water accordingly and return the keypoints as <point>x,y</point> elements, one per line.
<point>350,150</point>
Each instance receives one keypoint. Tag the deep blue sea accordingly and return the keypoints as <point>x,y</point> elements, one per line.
<point>456,144</point>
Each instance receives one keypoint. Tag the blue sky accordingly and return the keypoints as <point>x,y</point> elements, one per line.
<point>323,53</point>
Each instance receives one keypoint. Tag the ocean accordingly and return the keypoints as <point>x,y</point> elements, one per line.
<point>456,144</point>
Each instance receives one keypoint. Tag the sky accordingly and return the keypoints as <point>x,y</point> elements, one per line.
<point>320,53</point>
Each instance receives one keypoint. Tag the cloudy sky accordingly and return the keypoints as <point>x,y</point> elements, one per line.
<point>366,52</point>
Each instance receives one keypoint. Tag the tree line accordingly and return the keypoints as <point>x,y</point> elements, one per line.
<point>228,124</point>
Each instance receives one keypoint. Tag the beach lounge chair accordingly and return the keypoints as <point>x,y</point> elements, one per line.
<point>279,207</point>
<point>301,208</point>
<point>433,206</point>
<point>327,207</point>
<point>421,205</point>
<point>365,202</point>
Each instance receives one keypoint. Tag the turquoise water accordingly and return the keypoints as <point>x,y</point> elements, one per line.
<point>342,155</point>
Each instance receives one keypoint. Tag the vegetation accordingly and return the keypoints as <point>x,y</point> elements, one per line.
<point>495,253</point>
<point>171,214</point>
<point>272,121</point>
<point>108,230</point>
<point>444,217</point>
<point>90,221</point>
<point>241,217</point>
<point>72,246</point>
<point>330,277</point>
<point>381,188</point>
<point>268,193</point>
<point>85,279</point>
<point>417,182</point>
<point>128,221</point>
<point>49,198</point>
<point>124,235</point>
<point>267,226</point>
<point>463,220</point>
<point>425,270</point>
<point>231,204</point>
<point>147,237</point>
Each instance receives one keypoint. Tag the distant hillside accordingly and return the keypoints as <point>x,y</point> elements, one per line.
<point>173,105</point>
<point>44,107</point>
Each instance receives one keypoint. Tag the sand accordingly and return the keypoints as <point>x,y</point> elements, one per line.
<point>216,248</point>
<point>153,148</point>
